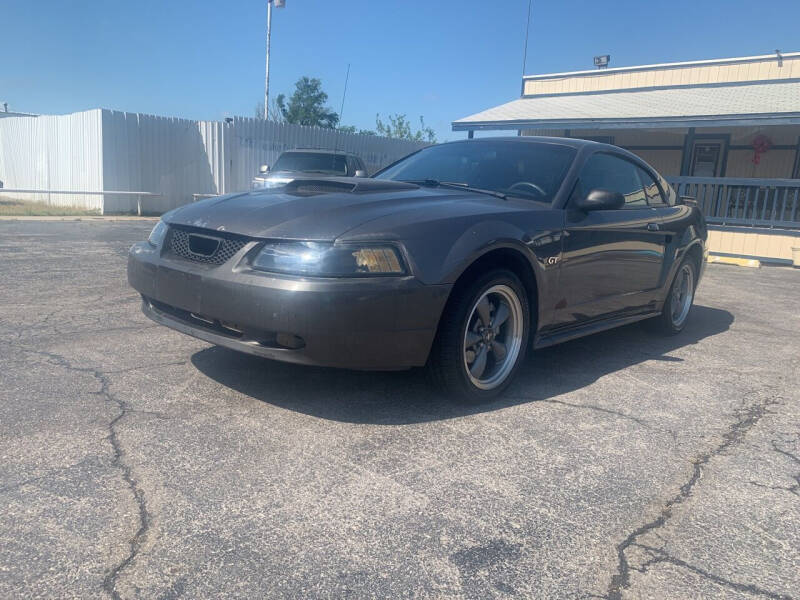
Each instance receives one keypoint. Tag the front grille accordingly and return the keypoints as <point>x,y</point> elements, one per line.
<point>212,248</point>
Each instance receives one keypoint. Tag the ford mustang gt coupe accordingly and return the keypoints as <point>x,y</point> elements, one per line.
<point>459,257</point>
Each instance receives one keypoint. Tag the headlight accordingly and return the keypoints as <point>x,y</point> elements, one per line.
<point>158,233</point>
<point>329,260</point>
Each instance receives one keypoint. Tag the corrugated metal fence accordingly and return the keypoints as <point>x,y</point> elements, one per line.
<point>51,152</point>
<point>110,150</point>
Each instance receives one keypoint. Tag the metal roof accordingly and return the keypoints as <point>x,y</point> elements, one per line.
<point>713,105</point>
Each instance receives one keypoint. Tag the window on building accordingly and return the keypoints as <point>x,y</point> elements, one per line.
<point>608,172</point>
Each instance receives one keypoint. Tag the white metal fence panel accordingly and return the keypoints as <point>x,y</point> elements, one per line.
<point>146,153</point>
<point>53,152</point>
<point>104,150</point>
<point>177,158</point>
<point>254,142</point>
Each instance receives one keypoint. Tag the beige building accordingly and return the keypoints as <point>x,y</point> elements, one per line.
<point>724,131</point>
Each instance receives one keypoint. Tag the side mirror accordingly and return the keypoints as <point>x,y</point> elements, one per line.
<point>360,173</point>
<point>263,169</point>
<point>601,200</point>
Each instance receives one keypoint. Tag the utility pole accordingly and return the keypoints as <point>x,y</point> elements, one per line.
<point>266,72</point>
<point>278,4</point>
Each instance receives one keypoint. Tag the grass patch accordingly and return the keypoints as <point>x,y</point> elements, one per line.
<point>21,208</point>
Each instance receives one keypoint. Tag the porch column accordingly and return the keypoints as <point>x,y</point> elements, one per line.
<point>686,158</point>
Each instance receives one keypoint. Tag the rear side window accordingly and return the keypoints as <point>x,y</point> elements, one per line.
<point>651,189</point>
<point>607,172</point>
<point>669,191</point>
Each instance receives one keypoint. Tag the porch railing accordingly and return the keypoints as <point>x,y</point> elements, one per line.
<point>743,201</point>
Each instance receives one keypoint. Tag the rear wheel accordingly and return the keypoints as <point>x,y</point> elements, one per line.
<point>482,337</point>
<point>679,301</point>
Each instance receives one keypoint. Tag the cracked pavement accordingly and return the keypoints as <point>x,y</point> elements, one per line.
<point>141,463</point>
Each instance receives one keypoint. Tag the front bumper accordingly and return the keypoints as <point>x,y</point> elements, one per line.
<point>360,323</point>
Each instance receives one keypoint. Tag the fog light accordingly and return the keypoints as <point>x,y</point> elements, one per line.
<point>289,340</point>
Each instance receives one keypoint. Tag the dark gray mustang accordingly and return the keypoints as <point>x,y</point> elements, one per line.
<point>460,257</point>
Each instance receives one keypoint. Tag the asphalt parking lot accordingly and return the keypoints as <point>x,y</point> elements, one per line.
<point>141,463</point>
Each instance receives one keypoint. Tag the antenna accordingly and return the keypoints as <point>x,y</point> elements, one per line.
<point>344,93</point>
<point>527,31</point>
<point>341,112</point>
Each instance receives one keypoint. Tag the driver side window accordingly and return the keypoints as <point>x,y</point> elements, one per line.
<point>608,172</point>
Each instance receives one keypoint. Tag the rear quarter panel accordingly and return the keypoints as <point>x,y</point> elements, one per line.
<point>687,229</point>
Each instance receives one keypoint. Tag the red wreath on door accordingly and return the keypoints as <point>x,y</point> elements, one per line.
<point>761,144</point>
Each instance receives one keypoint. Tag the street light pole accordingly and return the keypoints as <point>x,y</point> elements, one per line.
<point>266,72</point>
<point>278,4</point>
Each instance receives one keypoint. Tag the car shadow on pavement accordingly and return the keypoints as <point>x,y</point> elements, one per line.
<point>405,397</point>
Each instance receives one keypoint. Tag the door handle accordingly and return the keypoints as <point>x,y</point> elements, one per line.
<point>653,227</point>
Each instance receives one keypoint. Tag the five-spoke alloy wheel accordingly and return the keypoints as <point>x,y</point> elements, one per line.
<point>493,337</point>
<point>678,302</point>
<point>682,294</point>
<point>482,337</point>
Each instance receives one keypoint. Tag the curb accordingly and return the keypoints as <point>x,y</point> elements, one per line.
<point>739,262</point>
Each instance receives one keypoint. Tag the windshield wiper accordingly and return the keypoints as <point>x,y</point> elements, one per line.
<point>455,185</point>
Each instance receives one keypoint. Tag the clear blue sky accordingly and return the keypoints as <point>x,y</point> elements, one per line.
<point>443,59</point>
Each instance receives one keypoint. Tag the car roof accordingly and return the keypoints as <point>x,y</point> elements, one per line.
<point>319,151</point>
<point>541,139</point>
<point>576,143</point>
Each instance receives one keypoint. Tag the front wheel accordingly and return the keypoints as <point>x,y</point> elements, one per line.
<point>679,301</point>
<point>482,337</point>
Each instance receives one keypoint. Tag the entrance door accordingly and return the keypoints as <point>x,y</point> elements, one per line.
<point>707,158</point>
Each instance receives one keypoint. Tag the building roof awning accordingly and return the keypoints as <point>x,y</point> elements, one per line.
<point>761,103</point>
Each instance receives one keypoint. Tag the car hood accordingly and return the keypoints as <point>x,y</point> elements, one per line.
<point>320,209</point>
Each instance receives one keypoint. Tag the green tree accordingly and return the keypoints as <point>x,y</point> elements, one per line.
<point>274,111</point>
<point>352,129</point>
<point>307,105</point>
<point>400,127</point>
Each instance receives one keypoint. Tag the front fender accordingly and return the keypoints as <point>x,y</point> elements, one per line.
<point>541,252</point>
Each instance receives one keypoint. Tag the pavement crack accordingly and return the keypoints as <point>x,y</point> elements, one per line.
<point>795,487</point>
<point>659,556</point>
<point>601,409</point>
<point>136,541</point>
<point>747,419</point>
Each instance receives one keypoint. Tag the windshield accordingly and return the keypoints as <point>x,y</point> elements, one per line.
<point>311,162</point>
<point>525,169</point>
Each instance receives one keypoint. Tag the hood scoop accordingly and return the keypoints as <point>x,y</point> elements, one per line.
<point>334,185</point>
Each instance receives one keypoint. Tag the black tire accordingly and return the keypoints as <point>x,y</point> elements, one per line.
<point>447,364</point>
<point>666,322</point>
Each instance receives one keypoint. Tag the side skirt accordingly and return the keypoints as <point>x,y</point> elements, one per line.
<point>551,339</point>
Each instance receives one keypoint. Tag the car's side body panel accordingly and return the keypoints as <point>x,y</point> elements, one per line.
<point>618,265</point>
<point>611,264</point>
